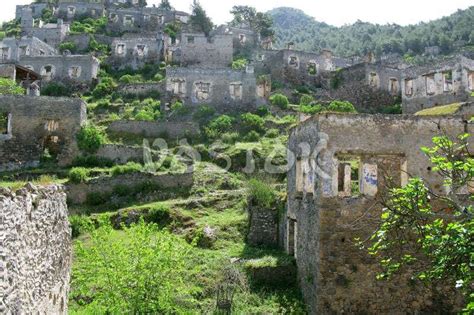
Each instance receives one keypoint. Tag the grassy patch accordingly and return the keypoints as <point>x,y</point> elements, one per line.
<point>440,110</point>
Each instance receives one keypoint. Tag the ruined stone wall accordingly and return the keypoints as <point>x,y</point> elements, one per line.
<point>212,87</point>
<point>52,34</point>
<point>335,275</point>
<point>37,123</point>
<point>135,51</point>
<point>142,88</point>
<point>121,154</point>
<point>70,9</point>
<point>354,84</point>
<point>35,255</point>
<point>36,10</point>
<point>425,86</point>
<point>77,193</point>
<point>62,67</point>
<point>154,128</point>
<point>13,49</point>
<point>263,227</point>
<point>210,52</point>
<point>138,19</point>
<point>80,40</point>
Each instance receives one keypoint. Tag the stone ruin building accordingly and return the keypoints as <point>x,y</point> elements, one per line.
<point>26,78</point>
<point>440,83</point>
<point>31,125</point>
<point>342,166</point>
<point>35,256</point>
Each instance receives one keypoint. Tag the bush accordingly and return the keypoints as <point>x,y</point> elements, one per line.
<point>261,194</point>
<point>311,109</point>
<point>204,113</point>
<point>128,79</point>
<point>130,167</point>
<point>144,115</point>
<point>302,89</point>
<point>92,161</point>
<point>56,89</point>
<point>306,99</point>
<point>10,87</point>
<point>262,111</point>
<point>79,224</point>
<point>78,175</point>
<point>272,133</point>
<point>239,64</point>
<point>341,106</point>
<point>279,100</point>
<point>276,85</point>
<point>251,122</point>
<point>71,46</point>
<point>252,136</point>
<point>158,214</point>
<point>90,138</point>
<point>158,77</point>
<point>393,109</point>
<point>104,88</point>
<point>230,137</point>
<point>219,125</point>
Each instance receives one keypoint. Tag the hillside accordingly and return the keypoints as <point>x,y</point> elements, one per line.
<point>450,33</point>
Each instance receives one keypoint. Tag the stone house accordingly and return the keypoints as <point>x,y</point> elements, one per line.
<point>50,33</point>
<point>225,89</point>
<point>36,10</point>
<point>244,39</point>
<point>31,125</point>
<point>441,83</point>
<point>370,86</point>
<point>25,77</point>
<point>13,49</point>
<point>135,50</point>
<point>68,68</point>
<point>342,165</point>
<point>71,9</point>
<point>199,50</point>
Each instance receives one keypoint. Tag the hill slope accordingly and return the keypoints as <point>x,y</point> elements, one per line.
<point>449,33</point>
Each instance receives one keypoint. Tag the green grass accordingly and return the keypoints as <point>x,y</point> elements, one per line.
<point>440,110</point>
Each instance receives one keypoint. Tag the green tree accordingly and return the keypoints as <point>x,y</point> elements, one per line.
<point>199,19</point>
<point>10,87</point>
<point>90,138</point>
<point>260,22</point>
<point>165,5</point>
<point>140,272</point>
<point>437,242</point>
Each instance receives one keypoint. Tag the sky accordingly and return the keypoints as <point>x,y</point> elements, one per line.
<point>334,12</point>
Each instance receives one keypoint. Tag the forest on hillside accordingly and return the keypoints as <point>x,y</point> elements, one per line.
<point>453,33</point>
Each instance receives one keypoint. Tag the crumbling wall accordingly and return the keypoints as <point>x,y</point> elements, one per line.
<point>36,124</point>
<point>73,68</point>
<point>13,49</point>
<point>35,255</point>
<point>210,52</point>
<point>443,83</point>
<point>136,20</point>
<point>326,212</point>
<point>73,9</point>
<point>263,226</point>
<point>136,50</point>
<point>52,33</point>
<point>154,128</point>
<point>142,88</point>
<point>224,89</point>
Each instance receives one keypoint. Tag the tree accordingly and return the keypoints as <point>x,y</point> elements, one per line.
<point>437,242</point>
<point>165,5</point>
<point>261,23</point>
<point>10,87</point>
<point>199,19</point>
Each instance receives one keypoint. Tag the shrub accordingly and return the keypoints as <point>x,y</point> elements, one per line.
<point>158,214</point>
<point>239,64</point>
<point>279,100</point>
<point>204,113</point>
<point>306,99</point>
<point>230,137</point>
<point>104,88</point>
<point>341,106</point>
<point>56,89</point>
<point>251,121</point>
<point>78,175</point>
<point>252,136</point>
<point>127,79</point>
<point>302,89</point>
<point>276,85</point>
<point>79,224</point>
<point>144,115</point>
<point>158,77</point>
<point>130,167</point>
<point>71,46</point>
<point>311,109</point>
<point>262,111</point>
<point>92,161</point>
<point>90,138</point>
<point>393,109</point>
<point>272,133</point>
<point>219,125</point>
<point>10,87</point>
<point>260,193</point>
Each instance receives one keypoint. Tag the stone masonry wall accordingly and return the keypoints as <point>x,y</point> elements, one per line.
<point>35,255</point>
<point>263,229</point>
<point>154,128</point>
<point>335,275</point>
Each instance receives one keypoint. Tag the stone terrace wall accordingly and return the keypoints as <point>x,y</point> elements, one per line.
<point>142,88</point>
<point>120,154</point>
<point>77,193</point>
<point>154,128</point>
<point>35,252</point>
<point>263,229</point>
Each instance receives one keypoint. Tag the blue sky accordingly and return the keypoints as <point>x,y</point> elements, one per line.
<point>335,12</point>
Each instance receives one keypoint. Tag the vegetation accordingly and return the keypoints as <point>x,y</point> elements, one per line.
<point>436,244</point>
<point>78,175</point>
<point>261,194</point>
<point>56,89</point>
<point>261,23</point>
<point>440,110</point>
<point>71,46</point>
<point>199,19</point>
<point>90,138</point>
<point>10,87</point>
<point>239,64</point>
<point>292,25</point>
<point>279,100</point>
<point>341,106</point>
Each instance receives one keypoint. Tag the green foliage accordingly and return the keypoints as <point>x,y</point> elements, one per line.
<point>276,85</point>
<point>10,87</point>
<point>106,87</point>
<point>442,237</point>
<point>292,25</point>
<point>239,64</point>
<point>279,100</point>
<point>341,106</point>
<point>204,113</point>
<point>259,22</point>
<point>90,161</point>
<point>144,115</point>
<point>11,28</point>
<point>71,46</point>
<point>90,138</point>
<point>94,46</point>
<point>272,133</point>
<point>89,25</point>
<point>199,19</point>
<point>142,272</point>
<point>78,175</point>
<point>394,109</point>
<point>165,5</point>
<point>56,89</point>
<point>79,225</point>
<point>251,122</point>
<point>306,99</point>
<point>311,109</point>
<point>219,125</point>
<point>172,30</point>
<point>128,78</point>
<point>252,136</point>
<point>179,108</point>
<point>230,137</point>
<point>130,167</point>
<point>262,111</point>
<point>261,194</point>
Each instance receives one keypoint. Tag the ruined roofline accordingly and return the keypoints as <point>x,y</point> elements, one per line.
<point>386,117</point>
<point>438,65</point>
<point>205,70</point>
